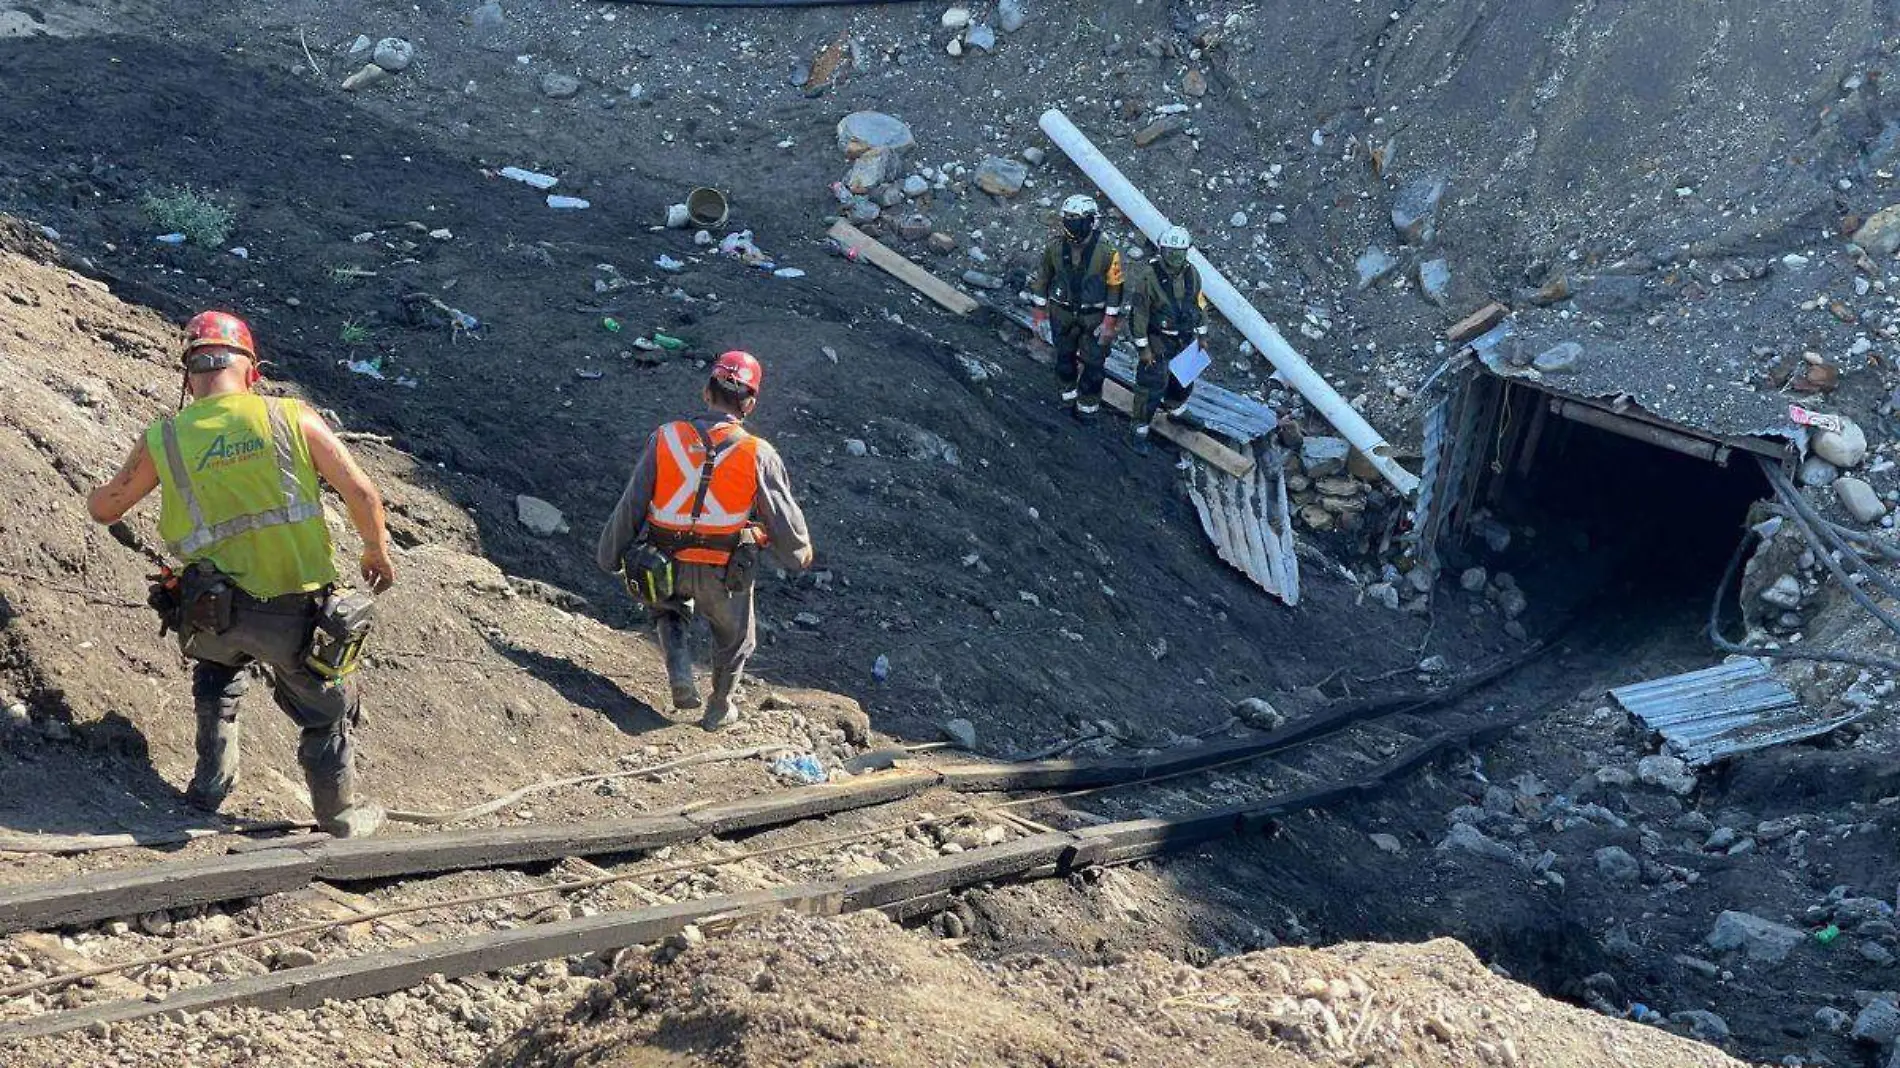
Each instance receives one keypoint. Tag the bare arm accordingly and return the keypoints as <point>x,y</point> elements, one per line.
<point>137,477</point>
<point>360,495</point>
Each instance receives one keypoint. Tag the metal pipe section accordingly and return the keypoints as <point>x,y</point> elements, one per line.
<point>1292,367</point>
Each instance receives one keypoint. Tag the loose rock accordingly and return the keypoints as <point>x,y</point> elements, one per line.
<point>1434,280</point>
<point>1157,130</point>
<point>1859,499</point>
<point>1702,1024</point>
<point>1878,1023</point>
<point>1844,448</point>
<point>1322,456</point>
<point>1415,212</point>
<point>1003,177</point>
<point>560,86</point>
<point>1011,15</point>
<point>540,517</point>
<point>1816,472</point>
<point>980,37</point>
<point>1784,592</point>
<point>1880,234</point>
<point>962,732</point>
<point>862,131</point>
<point>393,54</point>
<point>1762,940</point>
<point>1473,580</point>
<point>1559,358</point>
<point>1468,839</point>
<point>1615,864</point>
<point>1374,265</point>
<point>1666,773</point>
<point>1259,714</point>
<point>955,18</point>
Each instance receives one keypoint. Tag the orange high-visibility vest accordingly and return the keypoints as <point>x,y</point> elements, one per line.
<point>678,464</point>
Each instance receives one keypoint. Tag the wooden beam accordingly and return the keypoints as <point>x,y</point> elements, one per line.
<point>495,847</point>
<point>383,973</point>
<point>785,806</point>
<point>1118,397</point>
<point>893,262</point>
<point>1477,323</point>
<point>136,891</point>
<point>954,870</point>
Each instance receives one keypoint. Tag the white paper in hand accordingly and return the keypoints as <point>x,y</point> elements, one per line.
<point>1189,364</point>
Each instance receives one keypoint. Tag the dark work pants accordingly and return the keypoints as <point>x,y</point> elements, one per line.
<point>1080,358</point>
<point>275,635</point>
<point>1154,386</point>
<point>700,590</point>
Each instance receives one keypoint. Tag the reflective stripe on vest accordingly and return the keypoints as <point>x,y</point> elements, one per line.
<point>677,466</point>
<point>202,536</point>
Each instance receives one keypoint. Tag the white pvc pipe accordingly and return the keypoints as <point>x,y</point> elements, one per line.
<point>1292,367</point>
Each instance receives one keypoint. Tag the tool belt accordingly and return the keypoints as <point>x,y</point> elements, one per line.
<point>649,565</point>
<point>342,629</point>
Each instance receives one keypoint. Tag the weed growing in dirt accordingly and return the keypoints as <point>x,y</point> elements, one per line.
<point>355,333</point>
<point>187,211</point>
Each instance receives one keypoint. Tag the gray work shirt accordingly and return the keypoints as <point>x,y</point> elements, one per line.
<point>774,506</point>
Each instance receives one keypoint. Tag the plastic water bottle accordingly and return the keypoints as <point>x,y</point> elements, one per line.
<point>881,669</point>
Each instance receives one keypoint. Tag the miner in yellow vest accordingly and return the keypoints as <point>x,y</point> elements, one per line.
<point>242,508</point>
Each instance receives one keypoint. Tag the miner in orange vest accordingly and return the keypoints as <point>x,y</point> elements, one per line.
<point>241,508</point>
<point>706,497</point>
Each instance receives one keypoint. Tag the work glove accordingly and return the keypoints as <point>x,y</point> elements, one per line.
<point>1109,328</point>
<point>1039,322</point>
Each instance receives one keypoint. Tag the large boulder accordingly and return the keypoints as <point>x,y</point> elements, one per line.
<point>1845,447</point>
<point>540,517</point>
<point>863,131</point>
<point>1666,773</point>
<point>1762,940</point>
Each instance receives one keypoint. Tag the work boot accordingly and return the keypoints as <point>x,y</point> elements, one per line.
<point>721,710</point>
<point>339,813</point>
<point>216,773</point>
<point>1141,440</point>
<point>679,663</point>
<point>1069,395</point>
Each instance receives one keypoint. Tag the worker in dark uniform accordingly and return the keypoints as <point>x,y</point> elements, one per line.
<point>1168,312</point>
<point>1077,293</point>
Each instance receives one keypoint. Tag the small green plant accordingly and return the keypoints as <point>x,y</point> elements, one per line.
<point>355,333</point>
<point>187,211</point>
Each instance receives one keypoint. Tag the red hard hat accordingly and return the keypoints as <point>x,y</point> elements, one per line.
<point>740,369</point>
<point>216,330</point>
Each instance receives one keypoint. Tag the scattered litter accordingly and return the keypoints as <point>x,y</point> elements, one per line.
<point>536,179</point>
<point>668,342</point>
<point>804,768</point>
<point>881,668</point>
<point>170,239</point>
<point>442,234</point>
<point>363,238</point>
<point>241,252</point>
<point>561,203</point>
<point>788,272</point>
<point>373,368</point>
<point>678,217</point>
<point>740,246</point>
<point>459,321</point>
<point>668,263</point>
<point>610,324</point>
<point>582,372</point>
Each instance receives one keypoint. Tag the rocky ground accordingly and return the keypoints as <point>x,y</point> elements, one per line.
<point>1673,193</point>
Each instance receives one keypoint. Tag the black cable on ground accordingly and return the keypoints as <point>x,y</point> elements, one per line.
<point>1723,644</point>
<point>1806,519</point>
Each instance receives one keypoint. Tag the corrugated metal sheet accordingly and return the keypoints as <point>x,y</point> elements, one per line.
<point>1220,410</point>
<point>1249,522</point>
<point>1734,707</point>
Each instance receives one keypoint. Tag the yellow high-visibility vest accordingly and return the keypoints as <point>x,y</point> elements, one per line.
<point>241,493</point>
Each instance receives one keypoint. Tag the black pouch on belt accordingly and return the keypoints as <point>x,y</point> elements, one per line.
<point>743,566</point>
<point>342,627</point>
<point>205,597</point>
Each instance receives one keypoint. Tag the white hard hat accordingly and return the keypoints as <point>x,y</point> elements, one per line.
<point>1174,237</point>
<point>1080,206</point>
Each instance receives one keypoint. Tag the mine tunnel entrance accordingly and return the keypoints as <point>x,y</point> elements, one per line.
<point>1595,509</point>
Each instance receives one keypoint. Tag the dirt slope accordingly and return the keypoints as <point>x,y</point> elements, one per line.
<point>858,991</point>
